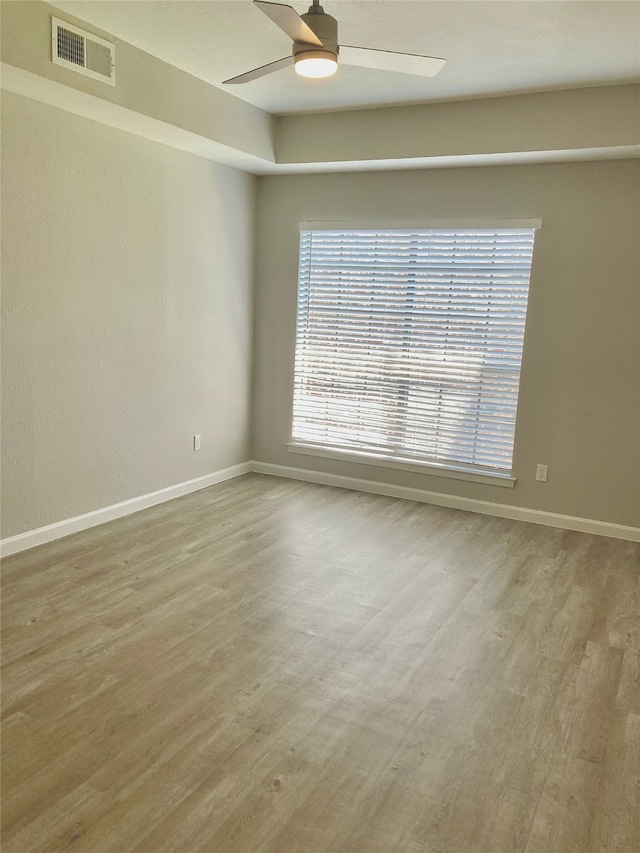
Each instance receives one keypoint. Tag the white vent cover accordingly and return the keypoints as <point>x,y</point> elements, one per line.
<point>83,52</point>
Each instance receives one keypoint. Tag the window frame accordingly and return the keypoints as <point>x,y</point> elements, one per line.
<point>449,469</point>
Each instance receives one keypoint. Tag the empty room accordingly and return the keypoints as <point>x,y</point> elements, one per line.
<point>320,493</point>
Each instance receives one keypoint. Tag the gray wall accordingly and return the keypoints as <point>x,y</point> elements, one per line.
<point>127,315</point>
<point>580,390</point>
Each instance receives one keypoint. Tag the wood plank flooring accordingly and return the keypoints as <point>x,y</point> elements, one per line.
<point>269,666</point>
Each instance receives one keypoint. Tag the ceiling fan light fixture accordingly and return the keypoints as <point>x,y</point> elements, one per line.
<point>316,47</point>
<point>316,63</point>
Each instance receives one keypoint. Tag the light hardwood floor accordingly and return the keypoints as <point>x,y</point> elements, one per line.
<point>276,667</point>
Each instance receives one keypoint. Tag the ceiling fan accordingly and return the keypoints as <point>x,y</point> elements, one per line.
<point>315,48</point>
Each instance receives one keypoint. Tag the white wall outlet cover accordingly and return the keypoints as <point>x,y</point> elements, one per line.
<point>541,473</point>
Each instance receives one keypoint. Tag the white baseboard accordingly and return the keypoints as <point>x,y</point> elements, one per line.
<point>41,535</point>
<point>551,519</point>
<point>23,541</point>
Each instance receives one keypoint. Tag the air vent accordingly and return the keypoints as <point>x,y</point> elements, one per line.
<point>83,52</point>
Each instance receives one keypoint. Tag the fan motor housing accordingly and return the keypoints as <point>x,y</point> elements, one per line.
<point>325,27</point>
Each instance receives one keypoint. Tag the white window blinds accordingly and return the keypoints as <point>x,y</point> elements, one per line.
<point>409,343</point>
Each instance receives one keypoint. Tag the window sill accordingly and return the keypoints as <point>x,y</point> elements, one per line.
<point>488,478</point>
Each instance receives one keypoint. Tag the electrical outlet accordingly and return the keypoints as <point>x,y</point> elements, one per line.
<point>196,442</point>
<point>541,473</point>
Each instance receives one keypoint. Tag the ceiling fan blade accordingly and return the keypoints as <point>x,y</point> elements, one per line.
<point>389,60</point>
<point>290,21</point>
<point>262,71</point>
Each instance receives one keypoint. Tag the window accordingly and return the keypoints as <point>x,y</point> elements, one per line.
<point>409,344</point>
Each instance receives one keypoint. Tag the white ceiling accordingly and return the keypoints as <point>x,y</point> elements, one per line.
<point>491,47</point>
